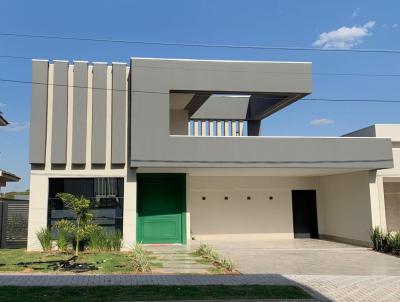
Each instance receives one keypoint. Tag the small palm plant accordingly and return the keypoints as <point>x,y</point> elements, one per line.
<point>83,226</point>
<point>44,237</point>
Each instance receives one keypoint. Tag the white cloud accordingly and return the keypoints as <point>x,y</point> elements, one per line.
<point>344,37</point>
<point>2,105</point>
<point>390,26</point>
<point>321,121</point>
<point>355,13</point>
<point>16,126</point>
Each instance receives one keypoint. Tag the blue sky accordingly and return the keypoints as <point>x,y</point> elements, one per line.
<point>313,23</point>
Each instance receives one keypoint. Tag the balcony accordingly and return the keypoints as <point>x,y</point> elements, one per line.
<point>207,114</point>
<point>217,127</point>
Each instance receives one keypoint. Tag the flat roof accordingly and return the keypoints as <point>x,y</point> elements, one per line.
<point>205,60</point>
<point>8,177</point>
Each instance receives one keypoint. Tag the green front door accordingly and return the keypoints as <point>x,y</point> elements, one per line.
<point>161,208</point>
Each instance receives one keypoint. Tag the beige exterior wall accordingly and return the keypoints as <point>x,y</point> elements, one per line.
<point>344,206</point>
<point>392,205</point>
<point>388,130</point>
<point>348,205</point>
<point>178,122</point>
<point>129,222</point>
<point>39,191</point>
<point>39,179</point>
<point>392,131</point>
<point>237,217</point>
<point>384,201</point>
<point>388,180</point>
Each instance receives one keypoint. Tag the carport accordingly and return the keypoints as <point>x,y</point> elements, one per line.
<point>304,257</point>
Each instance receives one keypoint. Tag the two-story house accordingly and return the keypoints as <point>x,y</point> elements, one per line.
<point>172,150</point>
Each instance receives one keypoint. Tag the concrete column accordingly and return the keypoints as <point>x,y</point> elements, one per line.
<point>38,203</point>
<point>129,222</point>
<point>188,228</point>
<point>377,198</point>
<point>253,128</point>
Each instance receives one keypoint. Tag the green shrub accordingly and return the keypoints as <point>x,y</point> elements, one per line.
<point>396,243</point>
<point>387,242</point>
<point>115,240</point>
<point>101,240</point>
<point>139,249</point>
<point>227,264</point>
<point>376,238</point>
<point>208,253</point>
<point>203,250</point>
<point>44,237</point>
<point>63,241</point>
<point>98,241</point>
<point>140,259</point>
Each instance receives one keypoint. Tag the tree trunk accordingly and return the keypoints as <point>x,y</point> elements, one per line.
<point>77,237</point>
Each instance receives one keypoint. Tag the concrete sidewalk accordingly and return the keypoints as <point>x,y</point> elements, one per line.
<point>322,288</point>
<point>137,280</point>
<point>329,271</point>
<point>132,280</point>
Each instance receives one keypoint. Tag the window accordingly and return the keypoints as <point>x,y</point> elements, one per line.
<point>106,196</point>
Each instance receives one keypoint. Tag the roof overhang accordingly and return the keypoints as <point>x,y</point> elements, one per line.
<point>3,121</point>
<point>7,177</point>
<point>243,107</point>
<point>245,172</point>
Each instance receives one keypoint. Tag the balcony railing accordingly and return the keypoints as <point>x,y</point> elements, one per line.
<point>216,128</point>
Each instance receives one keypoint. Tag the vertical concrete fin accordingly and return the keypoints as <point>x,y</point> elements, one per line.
<point>119,99</point>
<point>99,113</point>
<point>38,124</point>
<point>60,112</point>
<point>79,127</point>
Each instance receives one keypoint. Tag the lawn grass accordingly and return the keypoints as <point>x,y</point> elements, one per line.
<point>150,293</point>
<point>106,262</point>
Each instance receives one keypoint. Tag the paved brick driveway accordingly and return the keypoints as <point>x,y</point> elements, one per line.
<point>330,271</point>
<point>334,271</point>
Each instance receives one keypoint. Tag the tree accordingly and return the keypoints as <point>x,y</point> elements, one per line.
<point>83,225</point>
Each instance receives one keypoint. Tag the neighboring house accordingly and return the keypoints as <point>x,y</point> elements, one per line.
<point>13,213</point>
<point>7,177</point>
<point>172,150</point>
<point>4,175</point>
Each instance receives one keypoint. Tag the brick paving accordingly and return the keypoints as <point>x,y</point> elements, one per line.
<point>328,271</point>
<point>322,287</point>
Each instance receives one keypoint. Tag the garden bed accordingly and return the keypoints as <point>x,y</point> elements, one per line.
<point>18,260</point>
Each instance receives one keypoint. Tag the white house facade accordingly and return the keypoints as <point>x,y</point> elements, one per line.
<point>171,151</point>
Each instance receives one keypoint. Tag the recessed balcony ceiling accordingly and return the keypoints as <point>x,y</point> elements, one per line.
<point>211,105</point>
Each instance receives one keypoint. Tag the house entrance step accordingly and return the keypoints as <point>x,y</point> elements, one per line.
<point>179,260</point>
